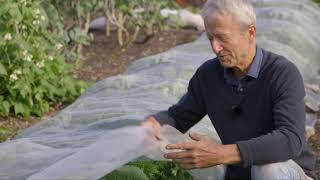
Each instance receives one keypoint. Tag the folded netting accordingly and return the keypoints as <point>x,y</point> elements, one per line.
<point>114,149</point>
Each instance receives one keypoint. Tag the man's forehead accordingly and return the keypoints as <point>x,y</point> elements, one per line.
<point>221,24</point>
<point>218,33</point>
<point>218,30</point>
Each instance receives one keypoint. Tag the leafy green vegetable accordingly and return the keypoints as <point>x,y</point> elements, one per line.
<point>154,170</point>
<point>127,172</point>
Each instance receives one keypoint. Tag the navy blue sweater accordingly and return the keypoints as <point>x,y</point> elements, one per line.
<point>267,122</point>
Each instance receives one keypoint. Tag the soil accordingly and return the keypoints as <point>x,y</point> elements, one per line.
<point>104,58</point>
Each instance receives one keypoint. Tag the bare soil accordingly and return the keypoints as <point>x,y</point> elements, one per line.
<point>105,58</point>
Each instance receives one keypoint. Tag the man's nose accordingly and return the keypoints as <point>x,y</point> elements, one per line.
<point>216,46</point>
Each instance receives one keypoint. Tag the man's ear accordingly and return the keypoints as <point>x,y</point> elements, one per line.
<point>252,33</point>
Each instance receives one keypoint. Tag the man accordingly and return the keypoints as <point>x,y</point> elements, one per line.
<point>254,98</point>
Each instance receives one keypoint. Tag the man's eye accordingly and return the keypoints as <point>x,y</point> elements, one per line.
<point>223,39</point>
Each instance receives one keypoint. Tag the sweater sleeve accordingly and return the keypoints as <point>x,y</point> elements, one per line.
<point>189,110</point>
<point>287,139</point>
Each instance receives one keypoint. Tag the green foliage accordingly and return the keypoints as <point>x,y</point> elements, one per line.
<point>143,13</point>
<point>70,20</point>
<point>127,15</point>
<point>162,169</point>
<point>317,1</point>
<point>135,15</point>
<point>126,173</point>
<point>33,72</point>
<point>154,170</point>
<point>3,133</point>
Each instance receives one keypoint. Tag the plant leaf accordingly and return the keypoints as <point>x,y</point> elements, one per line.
<point>3,70</point>
<point>126,173</point>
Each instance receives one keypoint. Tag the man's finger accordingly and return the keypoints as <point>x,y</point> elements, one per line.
<point>182,146</point>
<point>178,155</point>
<point>151,122</point>
<point>157,132</point>
<point>185,161</point>
<point>188,166</point>
<point>195,136</point>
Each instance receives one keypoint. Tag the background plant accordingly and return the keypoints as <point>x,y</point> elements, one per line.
<point>33,73</point>
<point>71,19</point>
<point>135,15</point>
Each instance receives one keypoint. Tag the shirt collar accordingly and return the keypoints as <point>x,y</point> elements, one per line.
<point>253,70</point>
<point>256,64</point>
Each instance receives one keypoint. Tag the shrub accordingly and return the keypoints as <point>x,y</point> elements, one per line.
<point>33,72</point>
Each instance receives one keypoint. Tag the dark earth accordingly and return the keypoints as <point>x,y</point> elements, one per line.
<point>103,58</point>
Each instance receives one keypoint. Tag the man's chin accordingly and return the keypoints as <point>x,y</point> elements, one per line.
<point>225,63</point>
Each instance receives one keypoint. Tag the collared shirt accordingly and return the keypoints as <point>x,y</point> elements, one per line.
<point>238,86</point>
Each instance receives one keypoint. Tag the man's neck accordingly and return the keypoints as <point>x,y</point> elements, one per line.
<point>242,69</point>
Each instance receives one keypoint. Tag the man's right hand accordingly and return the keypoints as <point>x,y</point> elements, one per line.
<point>152,123</point>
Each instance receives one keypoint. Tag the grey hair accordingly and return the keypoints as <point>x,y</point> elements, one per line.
<point>240,9</point>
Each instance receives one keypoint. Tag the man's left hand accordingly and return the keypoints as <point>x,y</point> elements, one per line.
<point>199,154</point>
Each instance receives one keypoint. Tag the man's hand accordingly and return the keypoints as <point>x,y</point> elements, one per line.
<point>151,122</point>
<point>203,153</point>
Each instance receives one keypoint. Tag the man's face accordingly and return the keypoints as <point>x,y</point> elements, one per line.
<point>228,42</point>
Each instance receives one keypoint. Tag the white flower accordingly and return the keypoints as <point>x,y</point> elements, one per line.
<point>8,37</point>
<point>29,58</point>
<point>37,11</point>
<point>24,27</point>
<point>36,45</point>
<point>25,52</point>
<point>40,64</point>
<point>24,2</point>
<point>13,77</point>
<point>50,58</point>
<point>17,72</point>
<point>59,46</point>
<point>35,22</point>
<point>43,18</point>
